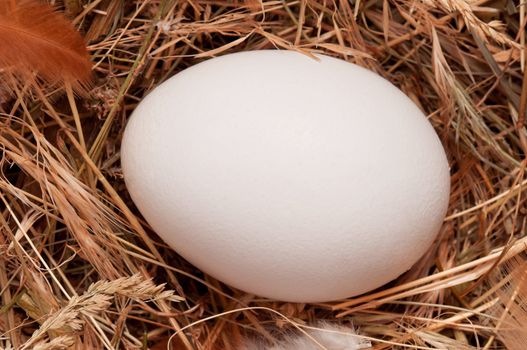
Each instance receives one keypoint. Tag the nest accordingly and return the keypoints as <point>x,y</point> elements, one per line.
<point>80,269</point>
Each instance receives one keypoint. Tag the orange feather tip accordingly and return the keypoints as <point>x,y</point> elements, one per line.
<point>36,38</point>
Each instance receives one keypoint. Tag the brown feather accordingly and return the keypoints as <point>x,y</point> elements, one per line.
<point>35,38</point>
<point>511,310</point>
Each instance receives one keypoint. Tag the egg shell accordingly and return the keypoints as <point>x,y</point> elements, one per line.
<point>285,176</point>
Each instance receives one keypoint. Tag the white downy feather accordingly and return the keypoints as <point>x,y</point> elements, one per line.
<point>328,336</point>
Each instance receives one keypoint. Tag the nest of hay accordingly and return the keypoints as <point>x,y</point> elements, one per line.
<point>76,257</point>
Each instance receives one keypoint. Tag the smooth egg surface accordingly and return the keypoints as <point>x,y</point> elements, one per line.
<point>285,176</point>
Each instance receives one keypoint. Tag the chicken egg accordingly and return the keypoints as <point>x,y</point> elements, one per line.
<point>286,176</point>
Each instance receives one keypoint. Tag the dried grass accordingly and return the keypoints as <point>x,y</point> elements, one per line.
<point>75,257</point>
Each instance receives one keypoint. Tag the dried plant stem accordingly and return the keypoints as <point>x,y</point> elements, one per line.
<point>522,35</point>
<point>105,129</point>
<point>481,266</point>
<point>75,112</point>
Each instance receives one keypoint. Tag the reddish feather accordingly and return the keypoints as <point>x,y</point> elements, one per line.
<point>35,38</point>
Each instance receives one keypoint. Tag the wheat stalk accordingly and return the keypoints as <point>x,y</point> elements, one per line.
<point>95,300</point>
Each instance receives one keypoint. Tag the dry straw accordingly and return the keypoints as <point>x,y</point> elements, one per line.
<point>76,258</point>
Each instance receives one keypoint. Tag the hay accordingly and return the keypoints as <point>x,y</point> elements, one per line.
<point>68,223</point>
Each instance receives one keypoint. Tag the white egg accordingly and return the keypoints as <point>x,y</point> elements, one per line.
<point>287,177</point>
